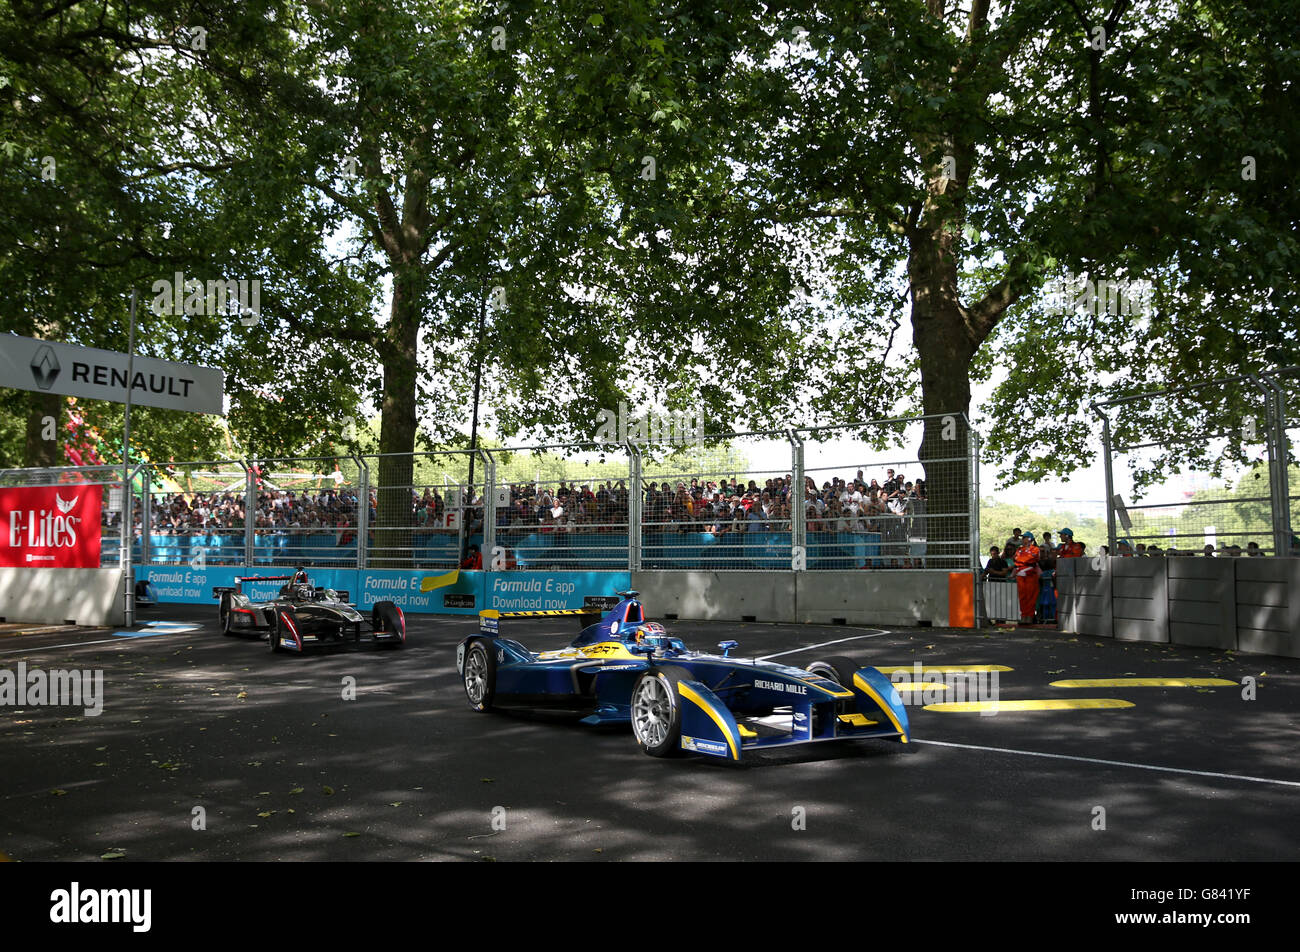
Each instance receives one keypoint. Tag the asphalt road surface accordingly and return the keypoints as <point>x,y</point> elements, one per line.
<point>212,748</point>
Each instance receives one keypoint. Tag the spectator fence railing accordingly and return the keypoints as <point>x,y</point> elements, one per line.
<point>582,506</point>
<point>1214,477</point>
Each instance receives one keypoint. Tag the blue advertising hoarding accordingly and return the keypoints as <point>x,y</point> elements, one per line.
<point>436,591</point>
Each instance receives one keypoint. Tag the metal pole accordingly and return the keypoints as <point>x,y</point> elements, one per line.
<point>1275,439</point>
<point>128,510</point>
<point>798,517</point>
<point>973,503</point>
<point>250,514</point>
<point>146,514</point>
<point>634,502</point>
<point>478,379</point>
<point>488,548</point>
<point>1110,482</point>
<point>363,511</point>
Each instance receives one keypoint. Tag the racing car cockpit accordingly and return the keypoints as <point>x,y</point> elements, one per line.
<point>299,587</point>
<point>653,635</point>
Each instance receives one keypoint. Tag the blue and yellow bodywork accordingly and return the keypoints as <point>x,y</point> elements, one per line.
<point>728,705</point>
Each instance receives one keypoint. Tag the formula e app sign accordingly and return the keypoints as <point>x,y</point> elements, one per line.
<point>54,527</point>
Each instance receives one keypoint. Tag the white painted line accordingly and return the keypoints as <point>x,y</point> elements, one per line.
<point>875,633</point>
<point>1111,763</point>
<point>78,644</point>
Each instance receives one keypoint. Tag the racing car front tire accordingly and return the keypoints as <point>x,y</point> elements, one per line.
<point>480,676</point>
<point>278,618</point>
<point>226,615</point>
<point>657,711</point>
<point>384,617</point>
<point>836,668</point>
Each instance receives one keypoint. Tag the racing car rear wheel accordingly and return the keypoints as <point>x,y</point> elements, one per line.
<point>657,712</point>
<point>480,676</point>
<point>836,668</point>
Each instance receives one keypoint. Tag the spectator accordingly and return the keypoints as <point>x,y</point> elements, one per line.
<point>1069,549</point>
<point>997,568</point>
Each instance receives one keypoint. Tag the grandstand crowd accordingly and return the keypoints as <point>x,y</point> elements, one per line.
<point>686,504</point>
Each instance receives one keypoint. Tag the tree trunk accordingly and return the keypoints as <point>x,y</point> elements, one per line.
<point>394,515</point>
<point>43,407</point>
<point>944,350</point>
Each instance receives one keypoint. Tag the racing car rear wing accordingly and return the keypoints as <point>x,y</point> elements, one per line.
<point>488,618</point>
<point>219,590</point>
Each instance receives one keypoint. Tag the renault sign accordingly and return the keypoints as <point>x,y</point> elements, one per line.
<point>73,371</point>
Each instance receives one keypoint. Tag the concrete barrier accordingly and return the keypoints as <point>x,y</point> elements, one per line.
<point>918,597</point>
<point>90,597</point>
<point>1202,611</point>
<point>1244,604</point>
<point>1083,598</point>
<point>1139,599</point>
<point>724,596</point>
<point>1268,605</point>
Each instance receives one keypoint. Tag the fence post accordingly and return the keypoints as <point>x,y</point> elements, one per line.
<point>250,512</point>
<point>363,511</point>
<point>1110,482</point>
<point>798,517</point>
<point>634,503</point>
<point>1276,501</point>
<point>973,508</point>
<point>1278,458</point>
<point>489,506</point>
<point>146,515</point>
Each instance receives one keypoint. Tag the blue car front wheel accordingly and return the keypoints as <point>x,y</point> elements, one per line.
<point>657,712</point>
<point>480,677</point>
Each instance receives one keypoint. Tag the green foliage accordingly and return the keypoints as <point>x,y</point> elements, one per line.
<point>998,519</point>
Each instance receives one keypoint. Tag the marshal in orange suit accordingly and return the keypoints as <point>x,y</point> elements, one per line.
<point>1027,573</point>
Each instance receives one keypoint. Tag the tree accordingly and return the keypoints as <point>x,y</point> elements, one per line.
<point>103,195</point>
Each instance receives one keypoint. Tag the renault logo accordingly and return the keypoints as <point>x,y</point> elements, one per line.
<point>45,367</point>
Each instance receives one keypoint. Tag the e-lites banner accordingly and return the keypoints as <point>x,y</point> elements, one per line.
<point>55,527</point>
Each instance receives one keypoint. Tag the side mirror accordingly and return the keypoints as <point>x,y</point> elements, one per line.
<point>726,647</point>
<point>641,648</point>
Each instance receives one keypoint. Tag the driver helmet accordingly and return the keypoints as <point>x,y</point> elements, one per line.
<point>649,629</point>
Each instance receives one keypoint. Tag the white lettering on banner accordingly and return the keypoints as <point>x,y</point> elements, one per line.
<point>45,531</point>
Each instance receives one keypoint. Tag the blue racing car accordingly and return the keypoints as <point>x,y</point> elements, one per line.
<point>623,668</point>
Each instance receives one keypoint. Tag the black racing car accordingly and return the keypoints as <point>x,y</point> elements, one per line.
<point>304,616</point>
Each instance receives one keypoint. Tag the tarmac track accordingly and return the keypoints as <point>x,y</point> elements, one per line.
<point>277,764</point>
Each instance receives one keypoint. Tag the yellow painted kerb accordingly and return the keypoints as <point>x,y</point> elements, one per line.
<point>694,698</point>
<point>1145,683</point>
<point>888,670</point>
<point>1044,704</point>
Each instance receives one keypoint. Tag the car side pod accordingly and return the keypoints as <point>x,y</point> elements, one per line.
<point>877,696</point>
<point>708,727</point>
